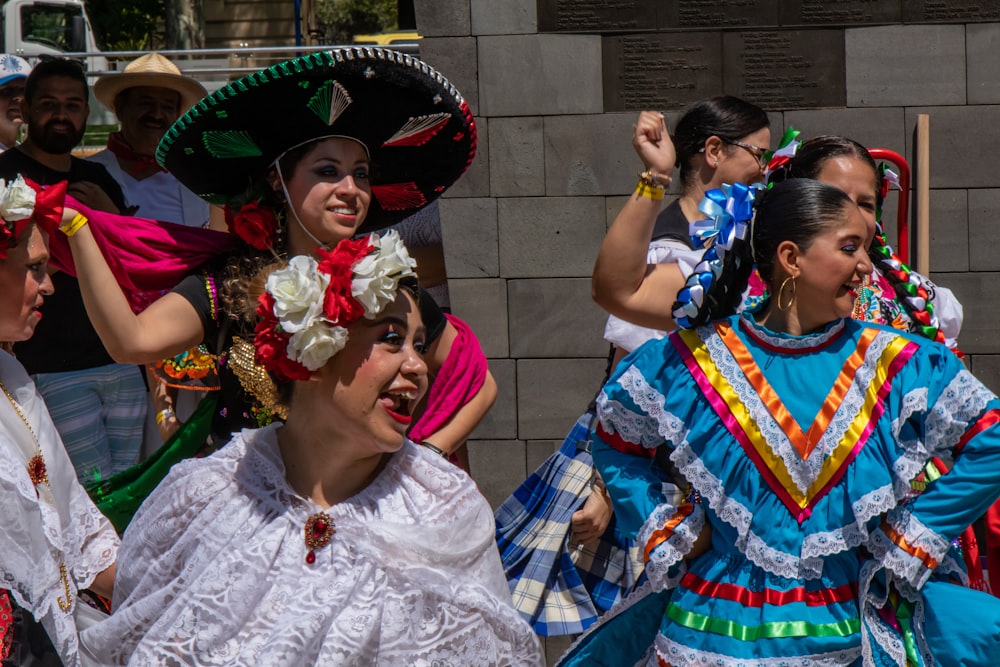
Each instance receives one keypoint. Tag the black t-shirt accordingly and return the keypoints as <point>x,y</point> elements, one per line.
<point>64,339</point>
<point>237,409</point>
<point>672,224</point>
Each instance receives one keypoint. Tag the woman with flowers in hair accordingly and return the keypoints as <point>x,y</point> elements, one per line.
<point>369,137</point>
<point>53,540</point>
<point>330,538</point>
<point>798,431</point>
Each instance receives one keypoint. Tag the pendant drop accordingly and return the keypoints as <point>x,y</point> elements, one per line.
<point>318,530</point>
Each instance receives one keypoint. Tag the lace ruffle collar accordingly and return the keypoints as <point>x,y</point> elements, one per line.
<point>788,344</point>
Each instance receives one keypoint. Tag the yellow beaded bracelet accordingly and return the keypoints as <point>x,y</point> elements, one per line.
<point>163,415</point>
<point>654,192</point>
<point>74,225</point>
<point>655,179</point>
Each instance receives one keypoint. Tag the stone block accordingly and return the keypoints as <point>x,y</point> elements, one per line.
<point>540,450</point>
<point>517,157</point>
<point>455,57</point>
<point>976,292</point>
<point>482,303</point>
<point>469,230</point>
<point>982,49</point>
<point>498,467</point>
<point>590,155</point>
<point>964,151</point>
<point>553,393</point>
<point>984,211</point>
<point>475,182</point>
<point>511,17</point>
<point>442,18</point>
<point>873,128</point>
<point>949,231</point>
<point>531,75</point>
<point>986,368</point>
<point>554,318</point>
<point>549,237</point>
<point>500,423</point>
<point>905,65</point>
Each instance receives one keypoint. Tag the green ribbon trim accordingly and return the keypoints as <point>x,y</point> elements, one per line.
<point>773,630</point>
<point>904,614</point>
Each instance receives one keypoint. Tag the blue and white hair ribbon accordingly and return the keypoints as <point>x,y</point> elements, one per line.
<point>730,212</point>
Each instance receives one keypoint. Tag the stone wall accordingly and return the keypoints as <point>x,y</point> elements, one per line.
<point>523,226</point>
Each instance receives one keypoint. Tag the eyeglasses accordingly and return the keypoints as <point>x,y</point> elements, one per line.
<point>762,155</point>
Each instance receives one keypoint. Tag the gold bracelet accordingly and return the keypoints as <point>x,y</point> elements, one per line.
<point>654,192</point>
<point>655,179</point>
<point>74,225</point>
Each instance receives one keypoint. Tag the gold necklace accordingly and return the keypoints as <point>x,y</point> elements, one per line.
<point>39,475</point>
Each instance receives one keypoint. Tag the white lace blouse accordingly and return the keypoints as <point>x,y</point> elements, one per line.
<point>45,527</point>
<point>213,571</point>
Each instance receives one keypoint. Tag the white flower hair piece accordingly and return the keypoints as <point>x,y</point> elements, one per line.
<point>308,305</point>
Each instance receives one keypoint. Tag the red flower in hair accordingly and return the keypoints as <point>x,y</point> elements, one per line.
<point>271,344</point>
<point>255,224</point>
<point>339,305</point>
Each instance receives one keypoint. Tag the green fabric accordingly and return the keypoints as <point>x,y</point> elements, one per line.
<point>750,633</point>
<point>119,497</point>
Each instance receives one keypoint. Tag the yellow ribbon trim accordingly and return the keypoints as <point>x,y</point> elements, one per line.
<point>802,442</point>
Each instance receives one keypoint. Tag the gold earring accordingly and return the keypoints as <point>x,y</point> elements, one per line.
<point>781,290</point>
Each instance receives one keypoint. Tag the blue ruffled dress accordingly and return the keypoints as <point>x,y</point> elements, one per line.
<point>799,452</point>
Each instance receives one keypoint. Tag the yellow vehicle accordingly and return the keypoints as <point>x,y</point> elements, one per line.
<point>388,38</point>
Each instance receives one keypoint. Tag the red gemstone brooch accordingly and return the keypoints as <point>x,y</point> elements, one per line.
<point>318,531</point>
<point>37,471</point>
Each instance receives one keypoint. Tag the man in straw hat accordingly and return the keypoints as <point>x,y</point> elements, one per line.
<point>147,97</point>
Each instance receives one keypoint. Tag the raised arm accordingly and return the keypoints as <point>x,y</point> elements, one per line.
<point>167,327</point>
<point>623,283</point>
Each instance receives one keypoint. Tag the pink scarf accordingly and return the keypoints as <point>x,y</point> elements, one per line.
<point>147,257</point>
<point>460,377</point>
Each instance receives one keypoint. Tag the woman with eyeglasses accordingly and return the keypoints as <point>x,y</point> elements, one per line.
<point>562,580</point>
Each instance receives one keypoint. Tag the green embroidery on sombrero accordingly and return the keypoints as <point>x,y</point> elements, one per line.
<point>222,113</point>
<point>329,101</point>
<point>188,150</point>
<point>230,143</point>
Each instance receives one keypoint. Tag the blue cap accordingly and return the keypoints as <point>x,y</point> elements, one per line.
<point>13,67</point>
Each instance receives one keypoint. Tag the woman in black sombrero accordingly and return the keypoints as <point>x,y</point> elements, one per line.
<point>302,155</point>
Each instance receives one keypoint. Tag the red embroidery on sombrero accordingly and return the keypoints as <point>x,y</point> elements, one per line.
<point>399,196</point>
<point>418,131</point>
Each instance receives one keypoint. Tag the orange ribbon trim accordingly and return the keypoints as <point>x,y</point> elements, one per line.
<point>663,534</point>
<point>916,552</point>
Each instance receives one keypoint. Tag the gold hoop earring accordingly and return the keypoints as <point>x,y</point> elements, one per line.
<point>781,290</point>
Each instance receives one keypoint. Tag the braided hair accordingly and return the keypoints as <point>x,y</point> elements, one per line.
<point>725,117</point>
<point>796,210</point>
<point>915,292</point>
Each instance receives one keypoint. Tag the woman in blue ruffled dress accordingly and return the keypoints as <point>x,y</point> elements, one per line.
<point>798,431</point>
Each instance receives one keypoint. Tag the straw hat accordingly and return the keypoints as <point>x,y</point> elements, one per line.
<point>417,128</point>
<point>153,70</point>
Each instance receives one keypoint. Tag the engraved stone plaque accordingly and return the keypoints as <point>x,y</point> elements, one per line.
<point>718,14</point>
<point>840,13</point>
<point>950,11</point>
<point>661,71</point>
<point>596,16</point>
<point>786,69</point>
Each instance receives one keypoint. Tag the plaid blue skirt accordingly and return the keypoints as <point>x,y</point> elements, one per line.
<point>561,588</point>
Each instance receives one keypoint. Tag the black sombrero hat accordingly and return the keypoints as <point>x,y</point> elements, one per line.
<point>416,125</point>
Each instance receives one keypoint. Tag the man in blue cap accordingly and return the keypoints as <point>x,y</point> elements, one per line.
<point>13,73</point>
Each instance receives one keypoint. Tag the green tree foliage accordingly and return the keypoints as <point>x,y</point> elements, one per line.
<point>343,19</point>
<point>127,25</point>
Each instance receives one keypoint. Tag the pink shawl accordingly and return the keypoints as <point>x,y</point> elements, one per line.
<point>460,377</point>
<point>147,257</point>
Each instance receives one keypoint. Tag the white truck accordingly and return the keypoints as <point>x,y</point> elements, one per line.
<point>32,28</point>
